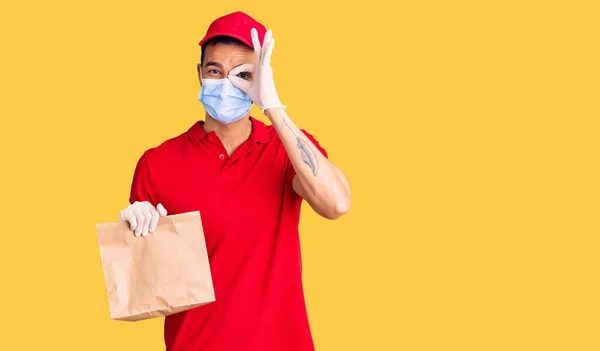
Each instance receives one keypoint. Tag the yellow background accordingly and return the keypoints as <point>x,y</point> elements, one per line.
<point>468,130</point>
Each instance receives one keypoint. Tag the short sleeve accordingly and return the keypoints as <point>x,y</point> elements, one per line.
<point>291,172</point>
<point>141,186</point>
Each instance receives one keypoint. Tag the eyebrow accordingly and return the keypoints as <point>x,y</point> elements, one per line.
<point>213,63</point>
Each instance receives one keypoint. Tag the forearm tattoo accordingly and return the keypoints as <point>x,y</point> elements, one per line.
<point>309,157</point>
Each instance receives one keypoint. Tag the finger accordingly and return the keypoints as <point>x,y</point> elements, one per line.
<point>269,52</point>
<point>147,220</point>
<point>161,210</point>
<point>246,67</point>
<point>140,219</point>
<point>266,43</point>
<point>153,220</point>
<point>255,43</point>
<point>268,37</point>
<point>128,216</point>
<point>240,83</point>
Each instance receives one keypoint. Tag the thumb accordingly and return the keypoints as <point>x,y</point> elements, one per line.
<point>161,210</point>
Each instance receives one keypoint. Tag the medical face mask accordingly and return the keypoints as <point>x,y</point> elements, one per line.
<point>223,101</point>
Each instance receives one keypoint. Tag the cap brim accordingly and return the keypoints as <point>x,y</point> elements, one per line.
<point>238,37</point>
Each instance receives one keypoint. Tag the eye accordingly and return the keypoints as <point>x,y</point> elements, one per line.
<point>245,75</point>
<point>213,71</point>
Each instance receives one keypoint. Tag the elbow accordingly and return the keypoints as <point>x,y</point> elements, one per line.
<point>332,202</point>
<point>338,209</point>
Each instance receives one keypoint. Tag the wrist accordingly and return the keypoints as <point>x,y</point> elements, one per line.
<point>274,112</point>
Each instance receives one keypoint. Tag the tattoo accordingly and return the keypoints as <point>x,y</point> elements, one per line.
<point>306,152</point>
<point>307,156</point>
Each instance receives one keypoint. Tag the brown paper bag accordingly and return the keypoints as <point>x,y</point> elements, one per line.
<point>163,273</point>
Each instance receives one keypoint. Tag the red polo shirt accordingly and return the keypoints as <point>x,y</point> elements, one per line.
<point>250,215</point>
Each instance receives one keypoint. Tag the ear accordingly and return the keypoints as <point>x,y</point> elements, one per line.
<point>199,68</point>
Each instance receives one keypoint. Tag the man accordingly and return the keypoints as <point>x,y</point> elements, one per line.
<point>248,181</point>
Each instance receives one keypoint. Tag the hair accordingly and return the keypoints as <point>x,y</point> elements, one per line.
<point>219,40</point>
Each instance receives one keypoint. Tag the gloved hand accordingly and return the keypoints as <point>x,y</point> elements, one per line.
<point>262,90</point>
<point>142,217</point>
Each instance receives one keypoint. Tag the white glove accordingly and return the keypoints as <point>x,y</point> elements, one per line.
<point>262,90</point>
<point>142,217</point>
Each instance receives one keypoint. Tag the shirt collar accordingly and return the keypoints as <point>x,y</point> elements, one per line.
<point>259,134</point>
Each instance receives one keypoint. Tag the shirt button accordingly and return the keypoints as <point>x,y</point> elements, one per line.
<point>222,157</point>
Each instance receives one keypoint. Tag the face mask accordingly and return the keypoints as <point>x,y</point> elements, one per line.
<point>223,101</point>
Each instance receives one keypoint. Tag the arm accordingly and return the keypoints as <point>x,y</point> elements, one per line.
<point>320,182</point>
<point>316,179</point>
<point>141,214</point>
<point>141,186</point>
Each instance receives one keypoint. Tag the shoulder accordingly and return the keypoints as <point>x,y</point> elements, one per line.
<point>166,150</point>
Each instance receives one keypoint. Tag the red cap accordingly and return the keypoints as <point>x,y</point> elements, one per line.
<point>236,25</point>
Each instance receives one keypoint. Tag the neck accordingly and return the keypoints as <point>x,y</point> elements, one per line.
<point>232,135</point>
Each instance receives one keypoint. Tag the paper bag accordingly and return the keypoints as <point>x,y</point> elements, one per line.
<point>163,273</point>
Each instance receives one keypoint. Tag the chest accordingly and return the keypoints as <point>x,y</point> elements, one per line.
<point>246,189</point>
